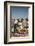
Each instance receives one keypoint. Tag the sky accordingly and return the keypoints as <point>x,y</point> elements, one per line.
<point>19,12</point>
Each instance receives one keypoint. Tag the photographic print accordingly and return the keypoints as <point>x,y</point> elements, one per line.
<point>18,22</point>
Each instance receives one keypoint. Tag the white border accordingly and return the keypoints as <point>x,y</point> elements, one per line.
<point>13,39</point>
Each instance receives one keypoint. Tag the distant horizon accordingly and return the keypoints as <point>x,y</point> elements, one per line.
<point>19,12</point>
